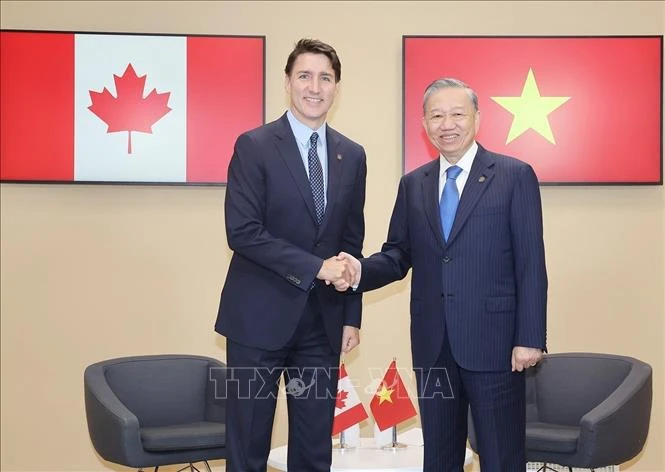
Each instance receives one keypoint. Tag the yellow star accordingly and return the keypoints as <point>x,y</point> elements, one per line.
<point>385,394</point>
<point>530,110</point>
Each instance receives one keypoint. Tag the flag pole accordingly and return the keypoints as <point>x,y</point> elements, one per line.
<point>394,445</point>
<point>343,446</point>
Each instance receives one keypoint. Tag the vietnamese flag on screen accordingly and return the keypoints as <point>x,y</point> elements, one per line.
<point>126,108</point>
<point>578,109</point>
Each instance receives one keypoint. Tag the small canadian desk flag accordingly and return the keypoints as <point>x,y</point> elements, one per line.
<point>348,408</point>
<point>391,403</point>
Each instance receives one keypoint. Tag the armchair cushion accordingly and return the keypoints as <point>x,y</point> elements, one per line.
<point>203,434</point>
<point>551,437</point>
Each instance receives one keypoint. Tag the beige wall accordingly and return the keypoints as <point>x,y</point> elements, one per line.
<point>92,272</point>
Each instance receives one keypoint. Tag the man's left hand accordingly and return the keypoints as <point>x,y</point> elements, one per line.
<point>525,357</point>
<point>350,338</point>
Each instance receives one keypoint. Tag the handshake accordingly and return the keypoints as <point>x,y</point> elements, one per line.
<point>342,271</point>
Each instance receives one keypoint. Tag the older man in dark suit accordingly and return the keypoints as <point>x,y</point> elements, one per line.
<point>470,226</point>
<point>295,199</point>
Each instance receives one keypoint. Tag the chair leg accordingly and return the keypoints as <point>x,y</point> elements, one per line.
<point>192,467</point>
<point>189,467</point>
<point>545,468</point>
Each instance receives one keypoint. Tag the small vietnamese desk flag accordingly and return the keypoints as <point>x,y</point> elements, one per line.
<point>391,403</point>
<point>125,108</point>
<point>348,408</point>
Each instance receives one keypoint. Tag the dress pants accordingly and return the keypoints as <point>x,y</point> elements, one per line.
<point>310,369</point>
<point>497,401</point>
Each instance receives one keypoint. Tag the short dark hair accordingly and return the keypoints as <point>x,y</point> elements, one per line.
<point>314,46</point>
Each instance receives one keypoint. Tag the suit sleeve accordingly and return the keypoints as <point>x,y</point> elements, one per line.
<point>394,260</point>
<point>352,242</point>
<point>244,208</point>
<point>529,258</point>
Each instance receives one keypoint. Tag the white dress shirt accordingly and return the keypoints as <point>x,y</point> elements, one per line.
<point>302,133</point>
<point>464,163</point>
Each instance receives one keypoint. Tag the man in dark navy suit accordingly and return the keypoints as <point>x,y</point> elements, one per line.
<point>470,226</point>
<point>294,200</point>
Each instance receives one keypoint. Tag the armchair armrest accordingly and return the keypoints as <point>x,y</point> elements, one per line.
<point>114,429</point>
<point>616,430</point>
<point>216,392</point>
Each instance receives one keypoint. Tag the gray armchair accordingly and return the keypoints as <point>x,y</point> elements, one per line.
<point>148,411</point>
<point>585,410</point>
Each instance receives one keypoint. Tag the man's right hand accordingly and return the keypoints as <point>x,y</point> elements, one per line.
<point>356,269</point>
<point>337,271</point>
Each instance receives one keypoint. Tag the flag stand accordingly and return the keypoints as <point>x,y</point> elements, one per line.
<point>394,445</point>
<point>343,446</point>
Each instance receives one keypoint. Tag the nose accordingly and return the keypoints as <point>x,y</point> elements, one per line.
<point>447,122</point>
<point>315,86</point>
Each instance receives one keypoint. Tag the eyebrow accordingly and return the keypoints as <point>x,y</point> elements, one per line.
<point>305,71</point>
<point>455,108</point>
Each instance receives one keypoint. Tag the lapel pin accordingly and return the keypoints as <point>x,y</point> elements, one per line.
<point>482,179</point>
<point>339,157</point>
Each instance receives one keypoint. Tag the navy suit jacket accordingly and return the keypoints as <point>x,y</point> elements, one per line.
<point>278,248</point>
<point>487,286</point>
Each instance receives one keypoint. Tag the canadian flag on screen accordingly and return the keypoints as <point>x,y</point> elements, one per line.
<point>127,108</point>
<point>348,408</point>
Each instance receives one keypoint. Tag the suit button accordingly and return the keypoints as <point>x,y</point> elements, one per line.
<point>446,260</point>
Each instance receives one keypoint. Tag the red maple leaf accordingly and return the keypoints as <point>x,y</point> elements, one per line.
<point>129,111</point>
<point>341,399</point>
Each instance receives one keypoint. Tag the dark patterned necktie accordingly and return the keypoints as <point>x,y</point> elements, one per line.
<point>316,178</point>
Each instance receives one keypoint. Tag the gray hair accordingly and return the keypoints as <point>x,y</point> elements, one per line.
<point>450,83</point>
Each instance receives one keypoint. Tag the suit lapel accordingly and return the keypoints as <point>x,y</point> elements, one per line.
<point>335,167</point>
<point>430,186</point>
<point>480,178</point>
<point>288,150</point>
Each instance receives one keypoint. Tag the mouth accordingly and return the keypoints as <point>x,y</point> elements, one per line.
<point>313,100</point>
<point>449,138</point>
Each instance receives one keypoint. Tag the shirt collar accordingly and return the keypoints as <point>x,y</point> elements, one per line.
<point>303,132</point>
<point>465,162</point>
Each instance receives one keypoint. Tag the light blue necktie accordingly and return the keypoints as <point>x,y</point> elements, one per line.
<point>449,200</point>
<point>316,178</point>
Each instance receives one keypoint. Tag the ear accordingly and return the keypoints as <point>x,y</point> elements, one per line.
<point>477,121</point>
<point>287,83</point>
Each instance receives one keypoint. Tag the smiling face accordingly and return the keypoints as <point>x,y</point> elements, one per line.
<point>312,88</point>
<point>451,122</point>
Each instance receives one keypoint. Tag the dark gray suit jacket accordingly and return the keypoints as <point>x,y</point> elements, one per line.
<point>278,248</point>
